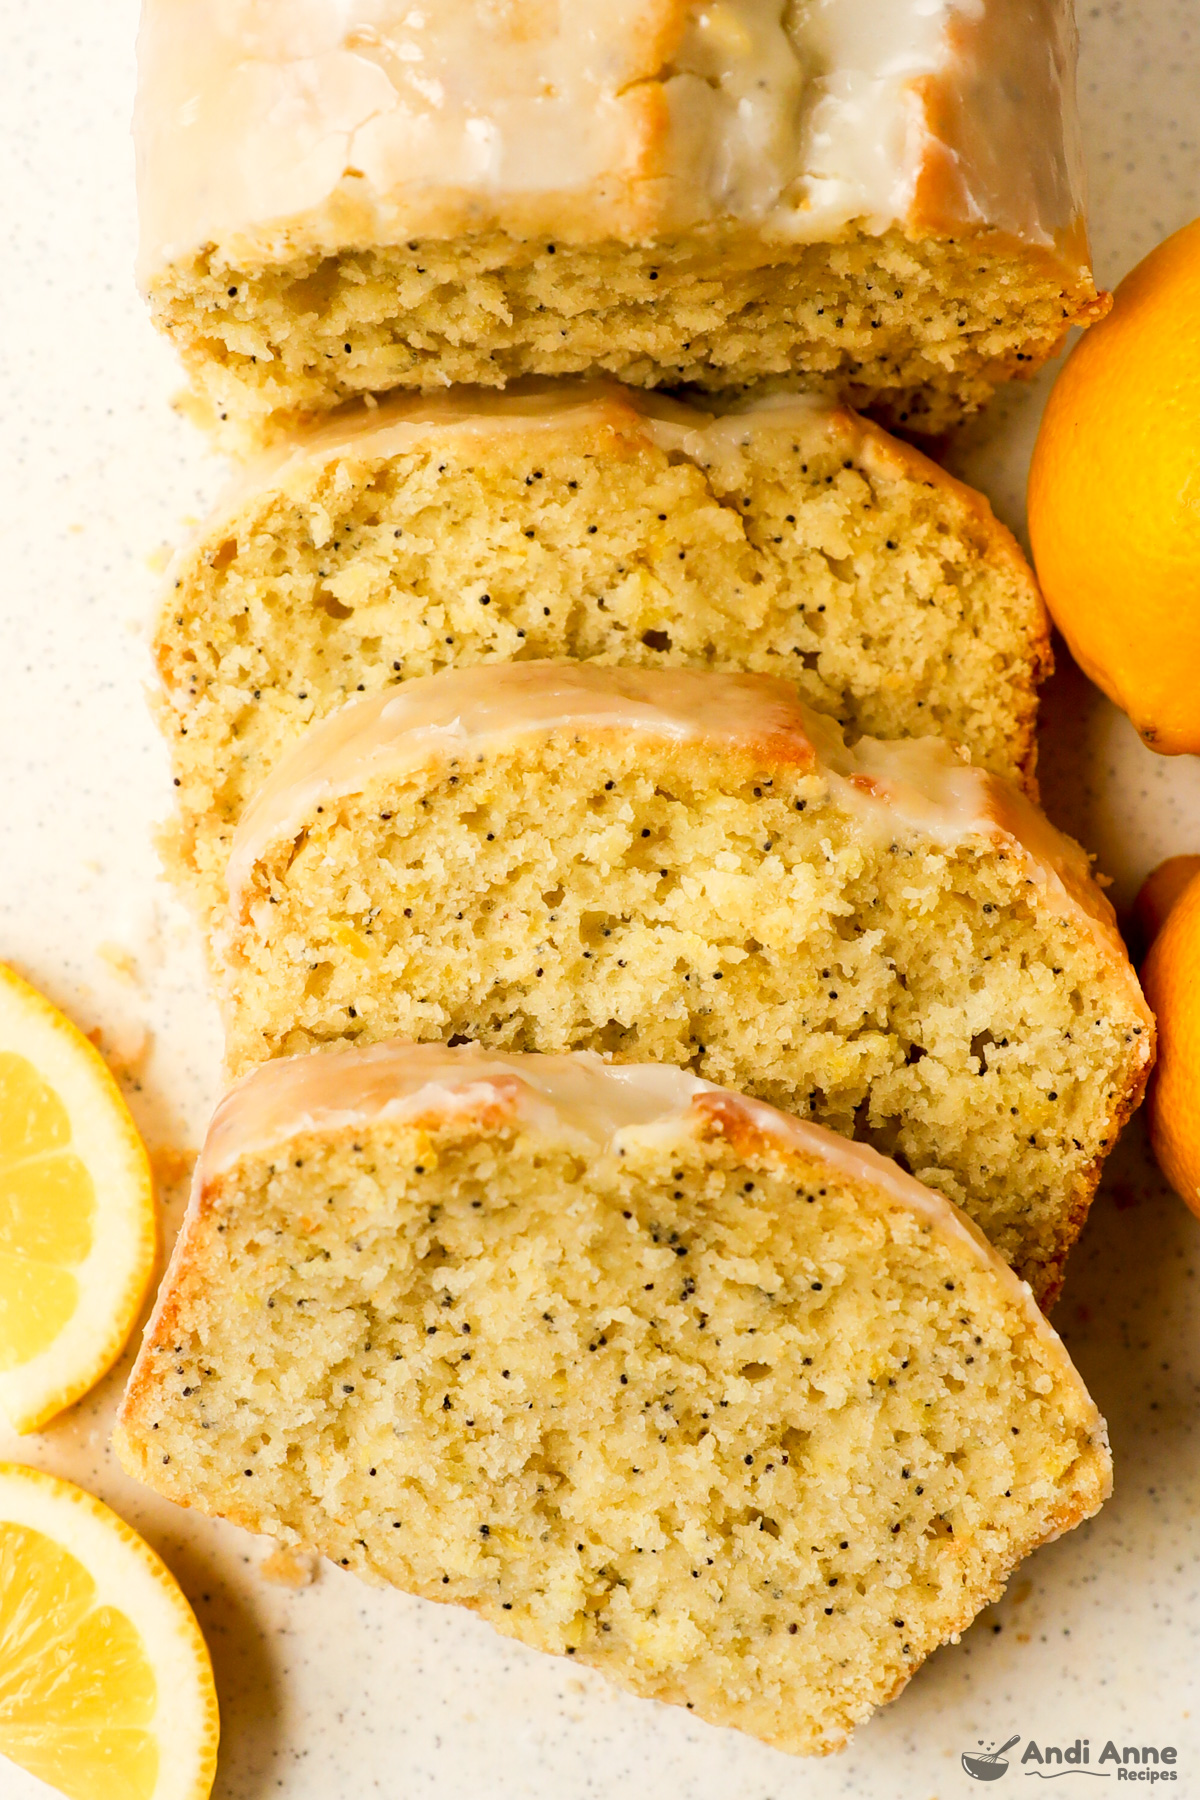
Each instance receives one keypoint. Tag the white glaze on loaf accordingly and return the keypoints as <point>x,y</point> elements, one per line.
<point>402,422</point>
<point>713,439</point>
<point>919,785</point>
<point>273,127</point>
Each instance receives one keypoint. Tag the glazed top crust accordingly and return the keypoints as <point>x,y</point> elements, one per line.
<point>921,786</point>
<point>275,128</point>
<point>605,412</point>
<point>580,1095</point>
<point>538,407</point>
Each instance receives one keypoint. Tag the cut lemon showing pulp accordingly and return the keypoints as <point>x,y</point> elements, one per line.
<point>77,1224</point>
<point>106,1688</point>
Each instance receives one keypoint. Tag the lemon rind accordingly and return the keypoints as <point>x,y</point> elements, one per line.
<point>131,1577</point>
<point>115,1278</point>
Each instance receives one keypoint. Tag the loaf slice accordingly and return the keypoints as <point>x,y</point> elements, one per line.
<point>885,195</point>
<point>641,1371</point>
<point>693,868</point>
<point>590,522</point>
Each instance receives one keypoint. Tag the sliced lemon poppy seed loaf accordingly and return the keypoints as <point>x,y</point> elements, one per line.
<point>693,868</point>
<point>884,193</point>
<point>642,1371</point>
<point>587,521</point>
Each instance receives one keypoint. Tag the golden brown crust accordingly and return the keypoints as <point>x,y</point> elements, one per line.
<point>904,461</point>
<point>1126,1105</point>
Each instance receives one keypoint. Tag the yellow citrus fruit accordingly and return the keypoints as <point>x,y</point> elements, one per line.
<point>77,1223</point>
<point>1114,497</point>
<point>1171,979</point>
<point>1159,892</point>
<point>106,1688</point>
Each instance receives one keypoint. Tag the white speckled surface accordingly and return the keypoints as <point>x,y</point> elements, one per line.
<point>339,1692</point>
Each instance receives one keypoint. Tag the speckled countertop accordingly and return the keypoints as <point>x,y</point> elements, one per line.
<point>336,1691</point>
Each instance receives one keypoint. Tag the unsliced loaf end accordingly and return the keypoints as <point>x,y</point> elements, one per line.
<point>666,867</point>
<point>919,328</point>
<point>574,521</point>
<point>683,1399</point>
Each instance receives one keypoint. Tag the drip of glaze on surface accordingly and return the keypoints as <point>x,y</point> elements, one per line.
<point>276,130</point>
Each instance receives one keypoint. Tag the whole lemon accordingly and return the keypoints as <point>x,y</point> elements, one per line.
<point>1171,979</point>
<point>1114,498</point>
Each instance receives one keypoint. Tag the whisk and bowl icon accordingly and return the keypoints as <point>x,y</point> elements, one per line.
<point>989,1765</point>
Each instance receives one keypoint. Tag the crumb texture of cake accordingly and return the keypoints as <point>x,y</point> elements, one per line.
<point>644,1373</point>
<point>593,522</point>
<point>694,869</point>
<point>649,189</point>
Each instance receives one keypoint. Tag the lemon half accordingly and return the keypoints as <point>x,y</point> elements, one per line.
<point>106,1687</point>
<point>78,1236</point>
